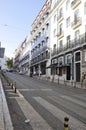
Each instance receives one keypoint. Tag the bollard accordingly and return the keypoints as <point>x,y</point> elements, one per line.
<point>66,119</point>
<point>15,86</point>
<point>15,89</point>
<point>53,78</point>
<point>71,83</point>
<point>58,80</point>
<point>65,82</point>
<point>12,85</point>
<point>81,84</point>
<point>74,84</point>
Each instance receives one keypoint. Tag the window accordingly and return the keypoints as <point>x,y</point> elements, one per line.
<point>76,15</point>
<point>77,56</point>
<point>61,12</point>
<point>61,28</point>
<point>68,41</point>
<point>36,38</point>
<point>68,22</point>
<point>68,59</point>
<point>54,47</point>
<point>42,43</point>
<point>43,19</point>
<point>54,61</point>
<point>61,45</point>
<point>77,35</point>
<point>85,8</point>
<point>54,32</point>
<point>67,4</point>
<point>47,13</point>
<point>39,34</point>
<point>47,26</point>
<point>43,31</point>
<point>60,61</point>
<point>85,55</point>
<point>47,39</point>
<point>54,18</point>
<point>39,45</point>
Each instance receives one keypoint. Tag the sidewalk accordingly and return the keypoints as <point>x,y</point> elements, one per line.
<point>5,120</point>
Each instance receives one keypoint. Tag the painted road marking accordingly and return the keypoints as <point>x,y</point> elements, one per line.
<point>73,123</point>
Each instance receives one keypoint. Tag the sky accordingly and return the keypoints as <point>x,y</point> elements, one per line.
<point>16,18</point>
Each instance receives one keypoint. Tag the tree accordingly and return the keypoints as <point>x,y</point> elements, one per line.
<point>10,63</point>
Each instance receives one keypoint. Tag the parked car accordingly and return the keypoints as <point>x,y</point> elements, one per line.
<point>10,70</point>
<point>20,72</point>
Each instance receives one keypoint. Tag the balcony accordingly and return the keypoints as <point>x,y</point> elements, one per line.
<point>60,18</point>
<point>40,50</point>
<point>60,34</point>
<point>76,43</point>
<point>58,3</point>
<point>68,46</point>
<point>73,44</point>
<point>42,57</point>
<point>60,50</point>
<point>75,3</point>
<point>76,23</point>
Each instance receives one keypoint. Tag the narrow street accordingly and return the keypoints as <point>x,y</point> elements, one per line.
<point>45,104</point>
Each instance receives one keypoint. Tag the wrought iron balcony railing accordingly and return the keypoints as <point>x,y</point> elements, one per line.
<point>77,22</point>
<point>54,52</point>
<point>60,34</point>
<point>39,51</point>
<point>73,44</point>
<point>60,17</point>
<point>40,58</point>
<point>75,3</point>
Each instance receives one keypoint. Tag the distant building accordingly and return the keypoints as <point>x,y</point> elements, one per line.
<point>3,59</point>
<point>22,57</point>
<point>3,64</point>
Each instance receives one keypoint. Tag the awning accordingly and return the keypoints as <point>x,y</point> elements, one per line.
<point>57,66</point>
<point>51,66</point>
<point>62,66</point>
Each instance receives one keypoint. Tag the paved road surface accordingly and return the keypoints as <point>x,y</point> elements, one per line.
<point>46,104</point>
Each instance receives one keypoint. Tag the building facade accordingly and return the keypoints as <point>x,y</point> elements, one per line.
<point>58,41</point>
<point>40,41</point>
<point>68,36</point>
<point>22,57</point>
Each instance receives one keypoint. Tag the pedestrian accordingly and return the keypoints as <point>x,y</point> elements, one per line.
<point>83,76</point>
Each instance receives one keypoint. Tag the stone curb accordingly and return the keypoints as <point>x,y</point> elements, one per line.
<point>6,119</point>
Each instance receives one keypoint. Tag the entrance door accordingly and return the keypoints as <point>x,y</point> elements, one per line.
<point>78,72</point>
<point>68,73</point>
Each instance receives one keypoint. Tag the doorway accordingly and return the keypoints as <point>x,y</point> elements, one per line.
<point>78,72</point>
<point>68,75</point>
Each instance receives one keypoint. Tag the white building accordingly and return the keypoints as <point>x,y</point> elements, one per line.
<point>68,28</point>
<point>40,41</point>
<point>3,63</point>
<point>58,41</point>
<point>22,57</point>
